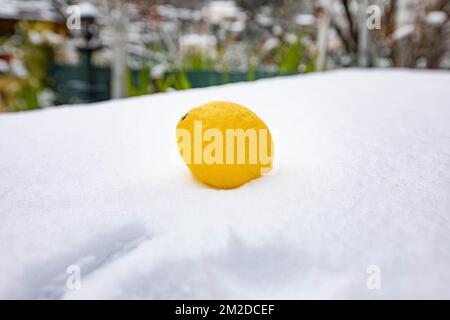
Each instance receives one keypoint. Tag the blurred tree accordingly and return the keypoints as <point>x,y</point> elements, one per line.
<point>422,42</point>
<point>427,41</point>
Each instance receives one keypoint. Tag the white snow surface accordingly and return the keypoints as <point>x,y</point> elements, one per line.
<point>363,179</point>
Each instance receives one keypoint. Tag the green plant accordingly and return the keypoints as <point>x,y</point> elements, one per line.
<point>225,76</point>
<point>176,80</point>
<point>289,56</point>
<point>251,73</point>
<point>310,66</point>
<point>29,96</point>
<point>292,57</point>
<point>143,84</point>
<point>196,60</point>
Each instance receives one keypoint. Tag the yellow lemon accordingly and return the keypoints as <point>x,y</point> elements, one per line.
<point>224,144</point>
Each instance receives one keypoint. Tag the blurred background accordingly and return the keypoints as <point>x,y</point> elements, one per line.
<point>55,52</point>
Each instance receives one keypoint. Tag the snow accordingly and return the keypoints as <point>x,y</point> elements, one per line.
<point>219,10</point>
<point>270,44</point>
<point>305,19</point>
<point>197,40</point>
<point>363,179</point>
<point>88,10</point>
<point>403,32</point>
<point>436,17</point>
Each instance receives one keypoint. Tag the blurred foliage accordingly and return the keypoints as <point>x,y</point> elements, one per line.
<point>179,81</point>
<point>37,53</point>
<point>33,44</point>
<point>197,60</point>
<point>28,98</point>
<point>290,56</point>
<point>176,80</point>
<point>251,73</point>
<point>143,83</point>
<point>10,89</point>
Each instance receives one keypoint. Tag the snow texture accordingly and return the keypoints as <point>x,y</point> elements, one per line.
<point>363,179</point>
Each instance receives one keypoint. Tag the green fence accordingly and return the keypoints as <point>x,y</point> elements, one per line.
<point>201,79</point>
<point>77,84</point>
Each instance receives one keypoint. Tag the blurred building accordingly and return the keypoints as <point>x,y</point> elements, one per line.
<point>14,11</point>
